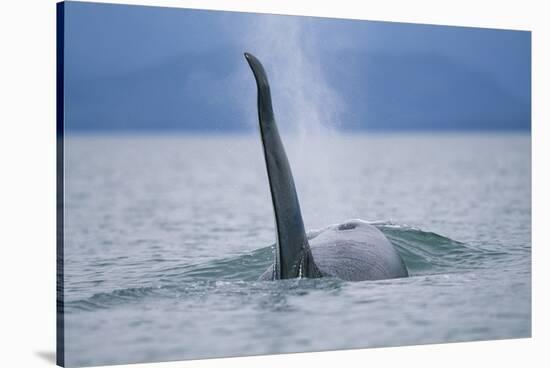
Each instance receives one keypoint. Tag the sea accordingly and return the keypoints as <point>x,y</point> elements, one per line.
<point>166,235</point>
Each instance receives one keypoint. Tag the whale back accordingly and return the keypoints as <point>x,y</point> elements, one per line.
<point>353,251</point>
<point>356,251</point>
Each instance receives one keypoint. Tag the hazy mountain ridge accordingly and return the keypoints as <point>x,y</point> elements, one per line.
<point>380,90</point>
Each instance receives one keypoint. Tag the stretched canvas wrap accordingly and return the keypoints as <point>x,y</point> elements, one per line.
<point>237,184</point>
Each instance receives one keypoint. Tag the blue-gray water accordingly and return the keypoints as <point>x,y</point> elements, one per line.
<point>165,237</point>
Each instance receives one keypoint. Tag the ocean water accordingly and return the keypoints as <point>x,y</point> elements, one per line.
<point>166,235</point>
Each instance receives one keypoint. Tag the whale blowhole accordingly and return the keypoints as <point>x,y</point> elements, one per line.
<point>347,226</point>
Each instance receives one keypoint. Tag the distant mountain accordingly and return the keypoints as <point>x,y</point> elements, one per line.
<point>179,94</point>
<point>426,91</point>
<point>380,90</point>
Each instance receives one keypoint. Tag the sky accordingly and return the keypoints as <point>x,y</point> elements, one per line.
<point>138,68</point>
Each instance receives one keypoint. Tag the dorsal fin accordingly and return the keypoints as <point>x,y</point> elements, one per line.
<point>293,255</point>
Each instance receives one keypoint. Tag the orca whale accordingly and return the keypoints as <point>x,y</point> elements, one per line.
<point>353,250</point>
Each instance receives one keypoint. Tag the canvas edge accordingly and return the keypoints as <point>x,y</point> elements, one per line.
<point>60,107</point>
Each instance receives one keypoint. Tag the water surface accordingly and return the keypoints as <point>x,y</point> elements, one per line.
<point>165,237</point>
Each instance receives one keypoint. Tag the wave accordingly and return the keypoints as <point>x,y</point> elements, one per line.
<point>423,252</point>
<point>426,252</point>
<point>109,299</point>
